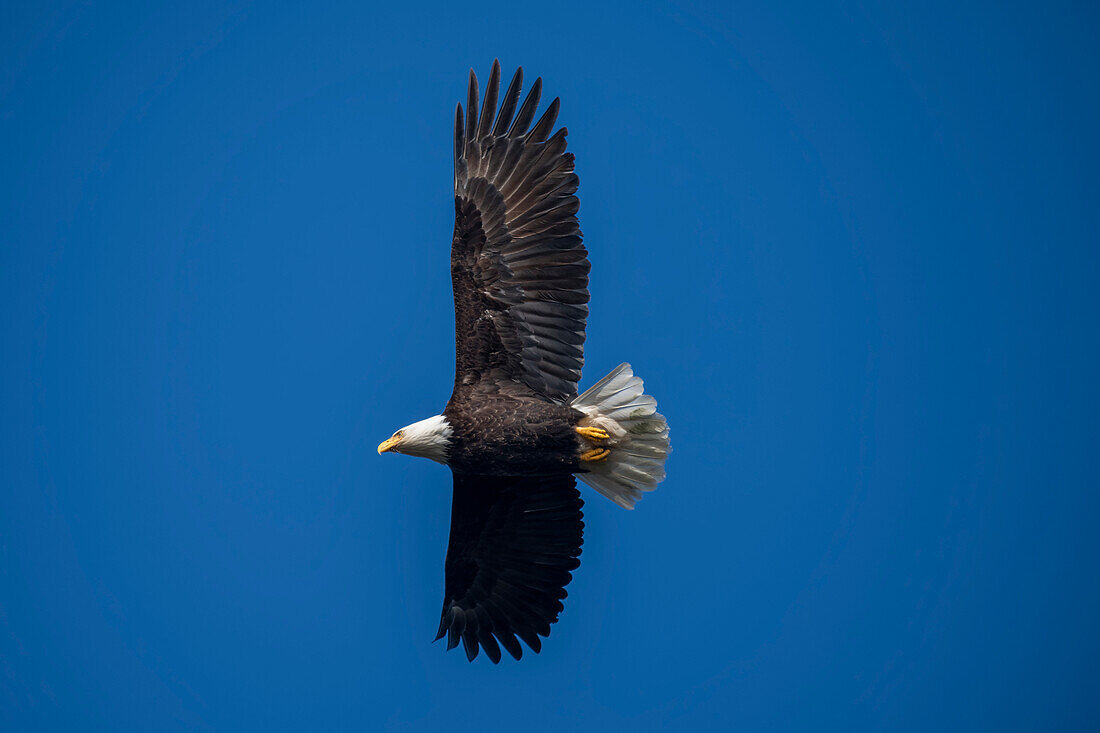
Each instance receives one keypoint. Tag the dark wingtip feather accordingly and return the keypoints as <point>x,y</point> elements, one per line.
<point>527,110</point>
<point>471,107</point>
<point>531,639</point>
<point>460,140</point>
<point>508,106</point>
<point>489,106</point>
<point>509,642</point>
<point>489,645</point>
<point>542,130</point>
<point>442,628</point>
<point>470,644</point>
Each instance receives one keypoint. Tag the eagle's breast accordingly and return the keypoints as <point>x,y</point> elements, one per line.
<point>506,435</point>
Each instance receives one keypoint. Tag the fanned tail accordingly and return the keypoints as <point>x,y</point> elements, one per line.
<point>639,437</point>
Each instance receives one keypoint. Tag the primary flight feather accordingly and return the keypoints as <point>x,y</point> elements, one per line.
<point>515,432</point>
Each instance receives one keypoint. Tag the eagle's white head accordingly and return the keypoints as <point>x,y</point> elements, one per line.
<point>428,438</point>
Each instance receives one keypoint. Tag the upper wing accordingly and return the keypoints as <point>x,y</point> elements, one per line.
<point>513,542</point>
<point>519,270</point>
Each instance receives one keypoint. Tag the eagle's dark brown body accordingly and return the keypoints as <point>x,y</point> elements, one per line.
<point>520,276</point>
<point>509,431</point>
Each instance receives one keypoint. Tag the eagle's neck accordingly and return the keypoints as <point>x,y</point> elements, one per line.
<point>428,438</point>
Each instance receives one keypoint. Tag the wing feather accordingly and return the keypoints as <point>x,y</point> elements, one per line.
<point>546,123</point>
<point>489,106</point>
<point>518,264</point>
<point>508,105</point>
<point>471,107</point>
<point>527,111</point>
<point>514,544</point>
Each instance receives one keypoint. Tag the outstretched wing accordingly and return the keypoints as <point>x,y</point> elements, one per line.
<point>514,541</point>
<point>518,267</point>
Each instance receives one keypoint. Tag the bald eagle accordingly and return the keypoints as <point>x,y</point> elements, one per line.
<point>515,432</point>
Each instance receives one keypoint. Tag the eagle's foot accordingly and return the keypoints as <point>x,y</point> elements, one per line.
<point>596,454</point>
<point>596,435</point>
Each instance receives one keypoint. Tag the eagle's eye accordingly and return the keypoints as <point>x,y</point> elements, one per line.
<point>399,434</point>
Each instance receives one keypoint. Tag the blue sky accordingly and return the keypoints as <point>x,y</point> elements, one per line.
<point>852,250</point>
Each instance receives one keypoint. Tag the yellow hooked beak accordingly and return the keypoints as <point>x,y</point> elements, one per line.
<point>387,445</point>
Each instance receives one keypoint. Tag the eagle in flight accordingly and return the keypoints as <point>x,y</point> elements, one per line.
<point>515,433</point>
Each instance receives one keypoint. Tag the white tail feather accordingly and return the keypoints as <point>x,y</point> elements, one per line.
<point>639,437</point>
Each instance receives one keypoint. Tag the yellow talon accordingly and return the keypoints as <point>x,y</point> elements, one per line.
<point>593,434</point>
<point>596,454</point>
